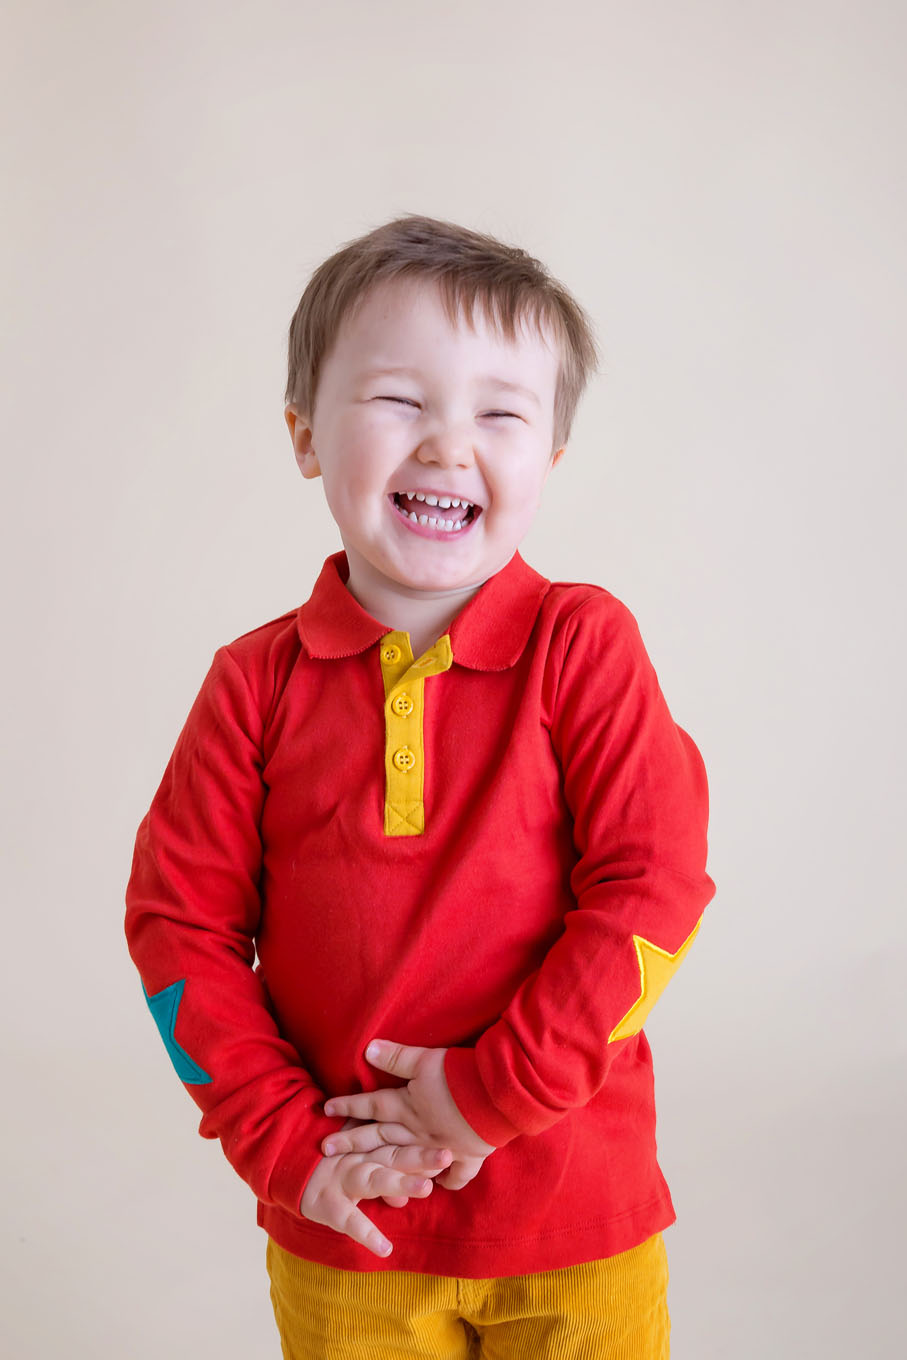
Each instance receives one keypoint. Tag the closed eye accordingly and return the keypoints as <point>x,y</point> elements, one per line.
<point>406,402</point>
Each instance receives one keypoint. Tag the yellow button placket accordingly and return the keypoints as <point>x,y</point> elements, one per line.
<point>404,710</point>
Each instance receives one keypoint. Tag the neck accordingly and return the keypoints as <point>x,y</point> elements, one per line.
<point>425,615</point>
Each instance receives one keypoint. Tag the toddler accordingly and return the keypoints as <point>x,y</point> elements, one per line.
<point>428,849</point>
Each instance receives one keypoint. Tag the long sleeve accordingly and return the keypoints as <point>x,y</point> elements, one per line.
<point>636,788</point>
<point>193,909</point>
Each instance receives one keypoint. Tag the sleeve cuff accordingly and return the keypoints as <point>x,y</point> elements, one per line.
<point>290,1174</point>
<point>472,1100</point>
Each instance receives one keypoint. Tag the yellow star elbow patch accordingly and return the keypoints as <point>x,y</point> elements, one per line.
<point>656,968</point>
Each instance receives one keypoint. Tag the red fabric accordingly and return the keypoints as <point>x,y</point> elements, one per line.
<point>565,812</point>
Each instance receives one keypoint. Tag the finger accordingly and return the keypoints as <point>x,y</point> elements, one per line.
<point>401,1059</point>
<point>416,1160</point>
<point>365,1138</point>
<point>396,1201</point>
<point>387,1104</point>
<point>365,1179</point>
<point>359,1106</point>
<point>353,1223</point>
<point>459,1174</point>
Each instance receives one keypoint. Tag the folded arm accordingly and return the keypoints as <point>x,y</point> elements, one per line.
<point>636,788</point>
<point>192,911</point>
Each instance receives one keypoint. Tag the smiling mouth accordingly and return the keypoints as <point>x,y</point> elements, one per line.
<point>454,516</point>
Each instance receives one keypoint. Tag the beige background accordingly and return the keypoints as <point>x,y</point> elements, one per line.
<point>722,186</point>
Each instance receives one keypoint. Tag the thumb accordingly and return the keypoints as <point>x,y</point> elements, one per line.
<point>400,1059</point>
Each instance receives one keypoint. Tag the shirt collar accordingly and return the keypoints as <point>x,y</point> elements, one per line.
<point>488,634</point>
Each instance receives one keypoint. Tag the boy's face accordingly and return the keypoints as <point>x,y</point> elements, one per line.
<point>446,427</point>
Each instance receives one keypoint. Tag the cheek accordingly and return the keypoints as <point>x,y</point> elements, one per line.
<point>353,475</point>
<point>523,496</point>
<point>353,503</point>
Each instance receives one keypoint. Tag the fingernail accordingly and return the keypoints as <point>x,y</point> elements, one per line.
<point>385,1247</point>
<point>372,1052</point>
<point>329,1149</point>
<point>329,1109</point>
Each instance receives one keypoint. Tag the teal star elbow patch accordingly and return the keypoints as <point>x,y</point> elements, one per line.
<point>163,1007</point>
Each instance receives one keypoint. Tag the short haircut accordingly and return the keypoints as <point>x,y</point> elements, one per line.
<point>468,266</point>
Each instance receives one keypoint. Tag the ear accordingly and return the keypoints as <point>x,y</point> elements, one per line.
<point>301,435</point>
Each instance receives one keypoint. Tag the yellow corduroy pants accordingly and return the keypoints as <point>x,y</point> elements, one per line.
<point>613,1309</point>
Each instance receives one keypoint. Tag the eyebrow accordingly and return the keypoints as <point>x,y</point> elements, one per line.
<point>503,383</point>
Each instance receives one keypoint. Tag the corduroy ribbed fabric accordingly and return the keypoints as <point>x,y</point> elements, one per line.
<point>613,1309</point>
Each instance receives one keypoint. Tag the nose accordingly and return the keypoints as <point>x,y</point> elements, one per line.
<point>448,449</point>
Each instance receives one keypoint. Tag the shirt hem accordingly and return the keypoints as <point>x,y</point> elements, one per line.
<point>474,1258</point>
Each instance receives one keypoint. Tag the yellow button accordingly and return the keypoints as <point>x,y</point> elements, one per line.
<point>404,758</point>
<point>403,705</point>
<point>391,653</point>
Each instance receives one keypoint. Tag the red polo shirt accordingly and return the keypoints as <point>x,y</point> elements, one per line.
<point>498,848</point>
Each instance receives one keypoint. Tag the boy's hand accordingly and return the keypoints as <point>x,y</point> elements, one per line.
<point>422,1113</point>
<point>395,1174</point>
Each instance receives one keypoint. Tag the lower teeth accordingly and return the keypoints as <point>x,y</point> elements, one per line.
<point>429,522</point>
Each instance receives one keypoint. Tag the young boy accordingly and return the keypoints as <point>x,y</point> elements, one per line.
<point>445,803</point>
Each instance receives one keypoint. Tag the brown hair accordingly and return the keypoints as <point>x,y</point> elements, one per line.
<point>467,265</point>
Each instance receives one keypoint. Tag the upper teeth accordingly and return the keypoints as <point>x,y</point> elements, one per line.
<point>445,502</point>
